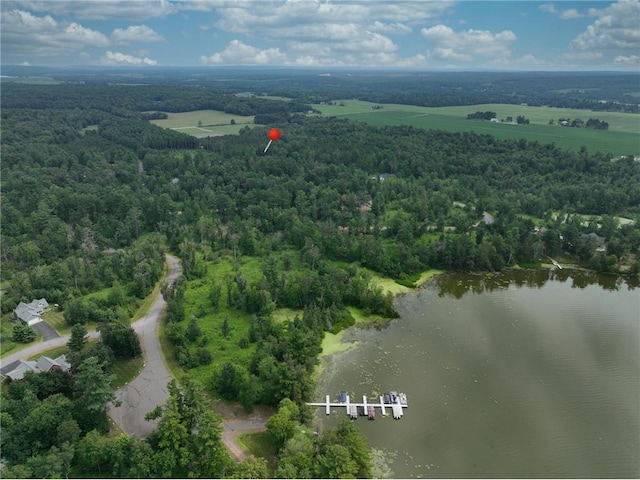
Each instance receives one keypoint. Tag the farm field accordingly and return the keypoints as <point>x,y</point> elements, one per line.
<point>622,138</point>
<point>205,123</point>
<point>31,80</point>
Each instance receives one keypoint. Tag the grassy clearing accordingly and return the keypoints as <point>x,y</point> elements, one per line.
<point>260,444</point>
<point>620,139</point>
<point>201,118</point>
<point>126,370</point>
<point>52,353</point>
<point>197,303</point>
<point>231,129</point>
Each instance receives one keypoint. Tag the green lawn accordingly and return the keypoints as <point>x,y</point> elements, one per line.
<point>621,139</point>
<point>260,444</point>
<point>126,370</point>
<point>52,353</point>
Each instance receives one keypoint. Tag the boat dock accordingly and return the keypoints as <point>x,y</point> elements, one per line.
<point>396,402</point>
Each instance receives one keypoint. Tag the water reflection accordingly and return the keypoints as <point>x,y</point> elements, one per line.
<point>533,374</point>
<point>456,285</point>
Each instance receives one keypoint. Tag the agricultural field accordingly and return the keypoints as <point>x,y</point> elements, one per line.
<point>31,80</point>
<point>268,97</point>
<point>205,123</point>
<point>620,139</point>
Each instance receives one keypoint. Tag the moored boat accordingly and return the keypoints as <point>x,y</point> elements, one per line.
<point>371,412</point>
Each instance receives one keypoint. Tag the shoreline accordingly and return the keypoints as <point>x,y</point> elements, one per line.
<point>333,345</point>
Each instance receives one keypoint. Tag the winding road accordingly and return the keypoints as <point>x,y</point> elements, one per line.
<point>149,388</point>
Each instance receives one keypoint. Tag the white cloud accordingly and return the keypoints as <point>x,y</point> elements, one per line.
<point>116,58</point>
<point>131,10</point>
<point>467,45</point>
<point>390,27</point>
<point>25,33</point>
<point>548,8</point>
<point>238,53</point>
<point>136,33</point>
<point>630,60</point>
<point>615,28</point>
<point>570,14</point>
<point>275,19</point>
<point>323,32</point>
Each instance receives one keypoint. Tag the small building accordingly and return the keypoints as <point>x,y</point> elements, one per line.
<point>43,364</point>
<point>30,313</point>
<point>488,218</point>
<point>588,237</point>
<point>384,176</point>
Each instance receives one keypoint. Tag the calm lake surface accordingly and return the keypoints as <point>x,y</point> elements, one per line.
<point>522,374</point>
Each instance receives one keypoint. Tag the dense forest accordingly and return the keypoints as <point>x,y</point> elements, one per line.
<point>598,91</point>
<point>93,195</point>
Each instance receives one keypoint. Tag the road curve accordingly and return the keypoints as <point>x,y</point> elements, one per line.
<point>149,388</point>
<point>232,429</point>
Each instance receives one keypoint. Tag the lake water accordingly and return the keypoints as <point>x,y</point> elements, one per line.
<point>522,374</point>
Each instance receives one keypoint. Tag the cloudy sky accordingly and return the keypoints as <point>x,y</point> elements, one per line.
<point>513,35</point>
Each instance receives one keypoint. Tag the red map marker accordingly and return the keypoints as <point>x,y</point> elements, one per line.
<point>274,134</point>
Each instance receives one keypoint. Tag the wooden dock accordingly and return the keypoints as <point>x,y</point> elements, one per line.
<point>397,406</point>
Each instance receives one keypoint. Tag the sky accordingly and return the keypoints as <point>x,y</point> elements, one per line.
<point>420,35</point>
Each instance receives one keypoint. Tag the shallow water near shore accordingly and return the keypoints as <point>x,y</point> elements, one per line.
<point>521,374</point>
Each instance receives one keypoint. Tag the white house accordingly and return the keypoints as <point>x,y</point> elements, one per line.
<point>31,313</point>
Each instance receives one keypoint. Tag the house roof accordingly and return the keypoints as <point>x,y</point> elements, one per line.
<point>39,305</point>
<point>29,311</point>
<point>593,236</point>
<point>43,364</point>
<point>488,218</point>
<point>24,312</point>
<point>23,367</point>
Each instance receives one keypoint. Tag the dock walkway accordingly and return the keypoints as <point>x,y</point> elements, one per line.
<point>397,408</point>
